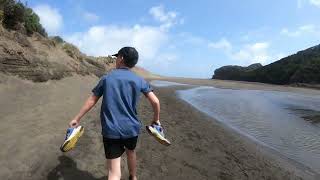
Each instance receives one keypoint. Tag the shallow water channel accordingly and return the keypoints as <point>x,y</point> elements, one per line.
<point>276,119</point>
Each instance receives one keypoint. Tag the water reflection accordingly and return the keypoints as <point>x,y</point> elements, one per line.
<point>270,117</point>
<point>159,83</point>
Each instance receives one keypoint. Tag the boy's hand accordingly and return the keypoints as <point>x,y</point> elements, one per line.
<point>157,122</point>
<point>74,123</point>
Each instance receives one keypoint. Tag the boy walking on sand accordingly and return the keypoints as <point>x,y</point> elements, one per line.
<point>121,89</point>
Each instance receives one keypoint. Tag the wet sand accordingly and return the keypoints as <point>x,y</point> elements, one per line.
<point>228,84</point>
<point>210,150</point>
<point>34,118</point>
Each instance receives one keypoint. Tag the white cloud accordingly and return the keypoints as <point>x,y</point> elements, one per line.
<point>312,2</point>
<point>280,56</point>
<point>168,19</point>
<point>104,40</point>
<point>315,2</point>
<point>223,44</point>
<point>50,18</point>
<point>152,42</point>
<point>247,54</point>
<point>188,38</point>
<point>302,30</point>
<point>164,61</point>
<point>90,17</point>
<point>299,3</point>
<point>253,53</point>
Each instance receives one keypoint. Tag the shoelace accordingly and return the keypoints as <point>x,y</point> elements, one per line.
<point>158,128</point>
<point>69,131</point>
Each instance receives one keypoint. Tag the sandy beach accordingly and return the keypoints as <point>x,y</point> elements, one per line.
<point>34,117</point>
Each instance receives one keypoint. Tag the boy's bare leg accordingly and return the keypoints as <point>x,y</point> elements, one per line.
<point>132,161</point>
<point>114,168</point>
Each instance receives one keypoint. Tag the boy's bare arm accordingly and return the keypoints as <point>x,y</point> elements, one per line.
<point>90,102</point>
<point>154,101</point>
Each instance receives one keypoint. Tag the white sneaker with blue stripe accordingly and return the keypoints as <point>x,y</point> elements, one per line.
<point>157,131</point>
<point>72,137</point>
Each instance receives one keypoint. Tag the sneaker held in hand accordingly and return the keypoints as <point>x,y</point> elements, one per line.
<point>72,137</point>
<point>157,131</point>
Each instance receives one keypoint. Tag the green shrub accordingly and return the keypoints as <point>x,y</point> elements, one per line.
<point>15,13</point>
<point>58,39</point>
<point>72,50</point>
<point>4,3</point>
<point>32,23</point>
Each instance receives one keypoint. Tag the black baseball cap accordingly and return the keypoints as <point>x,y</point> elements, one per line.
<point>129,54</point>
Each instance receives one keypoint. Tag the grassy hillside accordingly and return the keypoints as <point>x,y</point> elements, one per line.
<point>39,58</point>
<point>302,67</point>
<point>27,51</point>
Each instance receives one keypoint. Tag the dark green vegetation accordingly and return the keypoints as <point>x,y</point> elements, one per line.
<point>234,72</point>
<point>17,16</point>
<point>302,67</point>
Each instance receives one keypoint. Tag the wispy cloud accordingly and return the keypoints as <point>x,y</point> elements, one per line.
<point>90,17</point>
<point>312,2</point>
<point>166,18</point>
<point>188,38</point>
<point>253,53</point>
<point>50,18</point>
<point>247,54</point>
<point>223,44</point>
<point>300,31</point>
<point>299,3</point>
<point>315,2</point>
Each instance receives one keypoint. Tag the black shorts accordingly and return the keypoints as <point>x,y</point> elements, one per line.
<point>114,148</point>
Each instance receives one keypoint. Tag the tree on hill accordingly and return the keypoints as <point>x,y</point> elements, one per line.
<point>32,23</point>
<point>15,14</point>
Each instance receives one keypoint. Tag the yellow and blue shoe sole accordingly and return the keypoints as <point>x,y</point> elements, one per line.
<point>158,136</point>
<point>71,143</point>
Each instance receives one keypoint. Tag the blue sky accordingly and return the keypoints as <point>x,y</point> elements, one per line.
<point>186,38</point>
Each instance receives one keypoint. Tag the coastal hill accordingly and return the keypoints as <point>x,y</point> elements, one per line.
<point>39,59</point>
<point>231,71</point>
<point>300,68</point>
<point>27,52</point>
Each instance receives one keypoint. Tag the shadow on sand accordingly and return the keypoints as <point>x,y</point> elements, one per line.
<point>67,170</point>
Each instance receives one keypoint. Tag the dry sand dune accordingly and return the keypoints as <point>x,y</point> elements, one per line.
<point>34,118</point>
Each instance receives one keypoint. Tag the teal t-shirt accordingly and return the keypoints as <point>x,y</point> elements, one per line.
<point>121,90</point>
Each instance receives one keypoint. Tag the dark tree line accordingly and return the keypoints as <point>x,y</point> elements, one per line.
<point>302,67</point>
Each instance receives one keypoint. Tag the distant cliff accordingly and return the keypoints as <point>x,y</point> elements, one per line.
<point>302,67</point>
<point>234,72</point>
